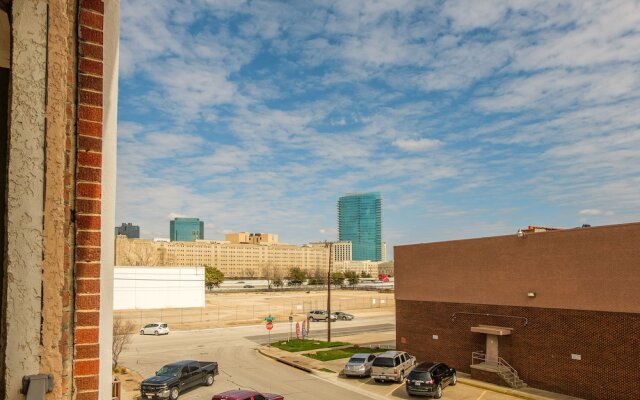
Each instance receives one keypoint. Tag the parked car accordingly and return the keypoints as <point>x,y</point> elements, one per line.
<point>246,395</point>
<point>320,315</point>
<point>156,328</point>
<point>359,364</point>
<point>248,286</point>
<point>430,378</point>
<point>392,366</point>
<point>174,378</point>
<point>343,316</point>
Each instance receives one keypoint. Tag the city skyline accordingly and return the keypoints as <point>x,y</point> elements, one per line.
<point>473,119</point>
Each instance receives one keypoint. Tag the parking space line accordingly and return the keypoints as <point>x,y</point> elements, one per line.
<point>392,390</point>
<point>481,395</point>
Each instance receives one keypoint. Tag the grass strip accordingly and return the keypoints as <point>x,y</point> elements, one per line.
<point>305,344</point>
<point>335,354</point>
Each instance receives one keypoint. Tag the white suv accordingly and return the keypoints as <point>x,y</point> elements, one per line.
<point>392,366</point>
<point>157,328</point>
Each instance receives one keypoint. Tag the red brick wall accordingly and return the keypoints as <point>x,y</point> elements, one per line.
<point>609,344</point>
<point>88,197</point>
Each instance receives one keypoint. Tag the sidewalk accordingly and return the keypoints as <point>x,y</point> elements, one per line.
<point>299,361</point>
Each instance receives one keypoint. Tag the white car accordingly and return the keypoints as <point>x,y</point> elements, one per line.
<point>157,328</point>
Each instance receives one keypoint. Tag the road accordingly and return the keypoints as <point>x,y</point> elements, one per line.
<point>242,367</point>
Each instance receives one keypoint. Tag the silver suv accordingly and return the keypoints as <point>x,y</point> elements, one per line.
<point>392,366</point>
<point>320,315</point>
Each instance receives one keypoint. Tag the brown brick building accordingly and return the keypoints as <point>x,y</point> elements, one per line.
<point>58,103</point>
<point>561,307</point>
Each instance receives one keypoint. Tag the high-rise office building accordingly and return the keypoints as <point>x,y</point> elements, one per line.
<point>186,229</point>
<point>360,221</point>
<point>129,230</point>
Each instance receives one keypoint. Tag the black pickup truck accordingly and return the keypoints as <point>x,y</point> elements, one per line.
<point>173,378</point>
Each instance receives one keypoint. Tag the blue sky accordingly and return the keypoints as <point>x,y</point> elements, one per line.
<point>471,118</point>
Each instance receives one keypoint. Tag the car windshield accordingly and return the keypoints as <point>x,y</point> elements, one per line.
<point>169,370</point>
<point>356,360</point>
<point>383,362</point>
<point>418,376</point>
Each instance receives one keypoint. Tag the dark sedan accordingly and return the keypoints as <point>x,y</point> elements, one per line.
<point>246,395</point>
<point>428,379</point>
<point>342,316</point>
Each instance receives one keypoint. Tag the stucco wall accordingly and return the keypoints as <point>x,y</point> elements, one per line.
<point>25,193</point>
<point>585,269</point>
<point>56,286</point>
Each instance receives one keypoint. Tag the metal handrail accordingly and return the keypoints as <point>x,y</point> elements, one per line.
<point>512,374</point>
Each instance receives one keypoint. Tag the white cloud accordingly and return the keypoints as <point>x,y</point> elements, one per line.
<point>417,144</point>
<point>595,212</point>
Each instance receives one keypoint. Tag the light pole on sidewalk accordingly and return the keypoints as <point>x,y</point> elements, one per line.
<point>330,245</point>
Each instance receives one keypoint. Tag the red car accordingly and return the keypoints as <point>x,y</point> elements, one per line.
<point>246,395</point>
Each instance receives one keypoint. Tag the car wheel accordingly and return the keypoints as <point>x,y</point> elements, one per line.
<point>142,331</point>
<point>156,333</point>
<point>173,395</point>
<point>454,379</point>
<point>438,392</point>
<point>208,380</point>
<point>376,379</point>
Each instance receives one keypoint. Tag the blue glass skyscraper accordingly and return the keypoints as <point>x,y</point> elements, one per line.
<point>186,229</point>
<point>360,221</point>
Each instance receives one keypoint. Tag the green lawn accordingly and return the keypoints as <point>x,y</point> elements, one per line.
<point>305,344</point>
<point>328,355</point>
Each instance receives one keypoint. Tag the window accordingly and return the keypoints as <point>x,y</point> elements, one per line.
<point>259,397</point>
<point>193,367</point>
<point>403,357</point>
<point>396,361</point>
<point>371,357</point>
<point>185,370</point>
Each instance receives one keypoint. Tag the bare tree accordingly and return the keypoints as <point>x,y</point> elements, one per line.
<point>122,332</point>
<point>250,272</point>
<point>136,252</point>
<point>272,274</point>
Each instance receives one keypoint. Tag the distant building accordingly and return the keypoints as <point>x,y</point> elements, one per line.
<point>186,229</point>
<point>341,250</point>
<point>244,260</point>
<point>251,238</point>
<point>129,230</point>
<point>360,222</point>
<point>384,252</point>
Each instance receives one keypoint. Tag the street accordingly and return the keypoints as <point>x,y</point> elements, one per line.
<point>241,366</point>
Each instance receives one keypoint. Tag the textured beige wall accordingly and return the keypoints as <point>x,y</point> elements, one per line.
<point>25,193</point>
<point>54,358</point>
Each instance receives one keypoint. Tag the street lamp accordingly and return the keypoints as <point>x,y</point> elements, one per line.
<point>329,244</point>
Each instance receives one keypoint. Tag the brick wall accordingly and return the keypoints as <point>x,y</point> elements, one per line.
<point>88,195</point>
<point>608,342</point>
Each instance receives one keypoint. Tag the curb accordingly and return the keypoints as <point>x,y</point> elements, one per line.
<point>289,363</point>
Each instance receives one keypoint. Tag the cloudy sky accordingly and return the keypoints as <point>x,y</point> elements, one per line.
<point>471,118</point>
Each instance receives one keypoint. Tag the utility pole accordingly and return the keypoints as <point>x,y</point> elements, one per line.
<point>329,293</point>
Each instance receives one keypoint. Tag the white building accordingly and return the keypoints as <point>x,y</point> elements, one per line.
<point>158,287</point>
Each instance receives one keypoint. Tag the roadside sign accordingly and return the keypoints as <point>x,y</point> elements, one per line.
<point>269,325</point>
<point>269,318</point>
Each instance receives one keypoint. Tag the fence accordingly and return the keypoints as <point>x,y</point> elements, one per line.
<point>230,313</point>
